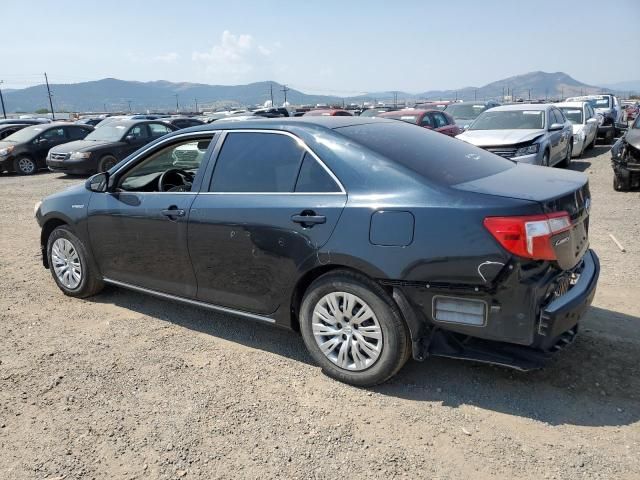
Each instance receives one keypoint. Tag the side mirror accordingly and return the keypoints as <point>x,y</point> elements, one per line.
<point>592,120</point>
<point>129,138</point>
<point>555,127</point>
<point>42,141</point>
<point>98,182</point>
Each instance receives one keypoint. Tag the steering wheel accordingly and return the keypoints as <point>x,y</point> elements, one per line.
<point>175,180</point>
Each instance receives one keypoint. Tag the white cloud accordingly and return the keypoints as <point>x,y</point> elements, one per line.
<point>169,57</point>
<point>235,56</point>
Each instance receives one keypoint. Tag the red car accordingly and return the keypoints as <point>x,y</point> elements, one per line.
<point>328,112</point>
<point>632,111</point>
<point>431,119</point>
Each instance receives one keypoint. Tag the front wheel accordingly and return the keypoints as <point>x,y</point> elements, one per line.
<point>353,329</point>
<point>25,166</point>
<point>611,134</point>
<point>621,184</point>
<point>545,159</point>
<point>106,163</point>
<point>73,270</point>
<point>567,159</point>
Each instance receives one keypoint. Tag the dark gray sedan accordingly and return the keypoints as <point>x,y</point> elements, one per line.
<point>377,240</point>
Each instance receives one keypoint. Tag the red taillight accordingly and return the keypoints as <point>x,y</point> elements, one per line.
<point>529,236</point>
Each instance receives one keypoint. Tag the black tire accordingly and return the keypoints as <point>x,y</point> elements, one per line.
<point>610,137</point>
<point>106,163</point>
<point>25,166</point>
<point>621,184</point>
<point>396,342</point>
<point>90,281</point>
<point>593,142</point>
<point>545,159</point>
<point>566,162</point>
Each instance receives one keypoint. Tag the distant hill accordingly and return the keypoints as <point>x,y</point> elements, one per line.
<point>160,95</point>
<point>632,86</point>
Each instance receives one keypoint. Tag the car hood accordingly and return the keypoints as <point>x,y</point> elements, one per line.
<point>632,137</point>
<point>527,182</point>
<point>489,138</point>
<point>79,146</point>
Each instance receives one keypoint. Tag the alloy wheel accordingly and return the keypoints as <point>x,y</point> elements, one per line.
<point>66,263</point>
<point>26,165</point>
<point>347,331</point>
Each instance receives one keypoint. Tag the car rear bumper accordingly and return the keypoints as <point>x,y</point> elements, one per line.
<point>534,314</point>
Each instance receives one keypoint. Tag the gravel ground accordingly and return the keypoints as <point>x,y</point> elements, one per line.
<point>128,386</point>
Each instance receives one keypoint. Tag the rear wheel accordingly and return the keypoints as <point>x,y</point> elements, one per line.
<point>106,163</point>
<point>621,184</point>
<point>593,142</point>
<point>73,270</point>
<point>611,134</point>
<point>25,166</point>
<point>353,329</point>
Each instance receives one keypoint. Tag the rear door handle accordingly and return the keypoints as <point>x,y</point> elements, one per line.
<point>173,212</point>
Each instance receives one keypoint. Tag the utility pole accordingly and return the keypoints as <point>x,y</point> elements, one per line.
<point>177,104</point>
<point>271,93</point>
<point>196,100</point>
<point>285,89</point>
<point>529,94</point>
<point>104,105</point>
<point>4,113</point>
<point>129,102</point>
<point>475,95</point>
<point>53,115</point>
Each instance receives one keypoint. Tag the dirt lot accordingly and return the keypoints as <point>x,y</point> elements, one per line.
<point>128,386</point>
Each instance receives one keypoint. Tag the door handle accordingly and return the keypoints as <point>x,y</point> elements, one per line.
<point>173,211</point>
<point>308,218</point>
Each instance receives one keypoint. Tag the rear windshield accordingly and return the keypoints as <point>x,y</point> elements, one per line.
<point>432,155</point>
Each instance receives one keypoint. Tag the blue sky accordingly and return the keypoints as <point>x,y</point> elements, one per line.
<point>343,47</point>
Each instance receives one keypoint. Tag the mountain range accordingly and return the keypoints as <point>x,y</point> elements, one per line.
<point>112,95</point>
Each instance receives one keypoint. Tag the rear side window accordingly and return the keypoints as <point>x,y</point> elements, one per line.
<point>314,178</point>
<point>434,156</point>
<point>77,133</point>
<point>257,162</point>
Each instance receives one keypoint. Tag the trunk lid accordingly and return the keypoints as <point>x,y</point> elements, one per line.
<point>555,190</point>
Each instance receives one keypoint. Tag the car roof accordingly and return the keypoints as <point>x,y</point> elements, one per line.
<point>570,104</point>
<point>521,106</point>
<point>409,111</point>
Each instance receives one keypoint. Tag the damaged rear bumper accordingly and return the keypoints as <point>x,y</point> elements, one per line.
<point>528,316</point>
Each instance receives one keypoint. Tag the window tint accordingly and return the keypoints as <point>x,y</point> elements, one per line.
<point>434,156</point>
<point>257,162</point>
<point>138,132</point>
<point>440,120</point>
<point>54,134</point>
<point>186,155</point>
<point>76,133</point>
<point>427,121</point>
<point>158,129</point>
<point>314,178</point>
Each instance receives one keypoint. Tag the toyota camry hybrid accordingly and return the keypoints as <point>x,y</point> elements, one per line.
<point>377,240</point>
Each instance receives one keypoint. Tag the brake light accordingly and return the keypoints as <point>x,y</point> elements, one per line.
<point>529,236</point>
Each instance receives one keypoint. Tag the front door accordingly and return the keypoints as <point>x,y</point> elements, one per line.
<point>47,140</point>
<point>271,206</point>
<point>138,232</point>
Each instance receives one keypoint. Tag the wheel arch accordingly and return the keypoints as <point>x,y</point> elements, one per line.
<point>47,228</point>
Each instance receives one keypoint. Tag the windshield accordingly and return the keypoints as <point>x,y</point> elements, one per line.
<point>409,118</point>
<point>432,155</point>
<point>373,112</point>
<point>108,133</point>
<point>597,102</point>
<point>509,120</point>
<point>463,111</point>
<point>25,135</point>
<point>574,115</point>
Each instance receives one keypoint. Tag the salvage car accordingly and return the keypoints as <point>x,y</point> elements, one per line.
<point>609,110</point>
<point>466,112</point>
<point>376,111</point>
<point>436,120</point>
<point>584,123</point>
<point>106,146</point>
<point>527,133</point>
<point>625,159</point>
<point>7,129</point>
<point>25,151</point>
<point>376,239</point>
<point>327,112</point>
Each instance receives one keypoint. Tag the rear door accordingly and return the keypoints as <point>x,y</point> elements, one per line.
<point>47,140</point>
<point>271,205</point>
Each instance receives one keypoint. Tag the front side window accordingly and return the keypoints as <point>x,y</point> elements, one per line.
<point>440,119</point>
<point>138,132</point>
<point>54,135</point>
<point>257,162</point>
<point>314,178</point>
<point>181,160</point>
<point>158,129</point>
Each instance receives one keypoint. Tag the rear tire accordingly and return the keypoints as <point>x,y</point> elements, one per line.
<point>621,184</point>
<point>25,166</point>
<point>106,163</point>
<point>593,142</point>
<point>359,352</point>
<point>72,268</point>
<point>611,135</point>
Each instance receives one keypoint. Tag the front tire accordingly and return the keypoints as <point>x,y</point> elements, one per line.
<point>545,159</point>
<point>566,162</point>
<point>106,163</point>
<point>25,166</point>
<point>353,329</point>
<point>621,184</point>
<point>72,268</point>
